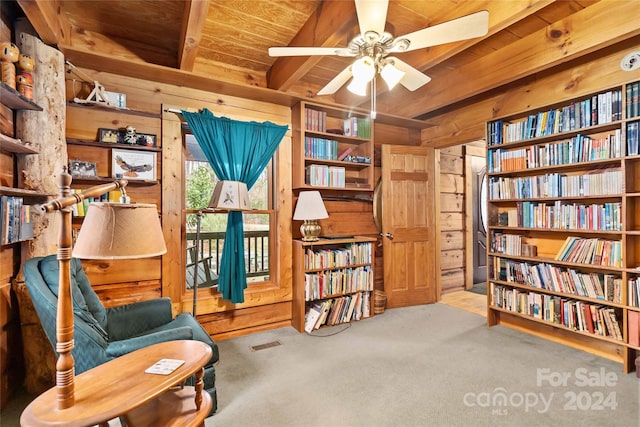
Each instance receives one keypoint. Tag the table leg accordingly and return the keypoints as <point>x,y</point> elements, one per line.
<point>199,385</point>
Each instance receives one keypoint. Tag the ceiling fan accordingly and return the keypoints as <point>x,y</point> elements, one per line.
<point>373,47</point>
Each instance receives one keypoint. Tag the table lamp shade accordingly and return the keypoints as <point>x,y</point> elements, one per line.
<point>231,196</point>
<point>119,231</point>
<point>310,206</point>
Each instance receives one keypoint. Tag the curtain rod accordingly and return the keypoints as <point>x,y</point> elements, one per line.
<point>176,111</point>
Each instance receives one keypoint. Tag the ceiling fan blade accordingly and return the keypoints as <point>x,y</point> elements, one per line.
<point>466,27</point>
<point>309,51</point>
<point>337,82</point>
<point>372,15</point>
<point>413,79</point>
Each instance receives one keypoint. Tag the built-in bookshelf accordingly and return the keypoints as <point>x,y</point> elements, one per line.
<point>564,232</point>
<point>332,281</point>
<point>332,148</point>
<point>16,202</point>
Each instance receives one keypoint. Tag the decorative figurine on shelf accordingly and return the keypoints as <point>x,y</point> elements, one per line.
<point>9,54</point>
<point>25,65</point>
<point>130,137</point>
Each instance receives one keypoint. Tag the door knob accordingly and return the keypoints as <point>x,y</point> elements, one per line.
<point>388,235</point>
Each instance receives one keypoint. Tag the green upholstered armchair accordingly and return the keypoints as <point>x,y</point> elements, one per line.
<point>103,334</point>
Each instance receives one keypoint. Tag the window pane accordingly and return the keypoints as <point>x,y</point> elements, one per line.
<point>199,185</point>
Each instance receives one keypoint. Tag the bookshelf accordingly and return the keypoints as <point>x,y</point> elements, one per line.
<point>332,276</point>
<point>564,232</point>
<point>15,202</point>
<point>332,148</point>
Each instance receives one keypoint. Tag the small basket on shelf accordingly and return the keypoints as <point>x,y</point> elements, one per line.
<point>379,301</point>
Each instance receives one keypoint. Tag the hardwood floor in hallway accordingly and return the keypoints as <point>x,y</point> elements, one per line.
<point>468,301</point>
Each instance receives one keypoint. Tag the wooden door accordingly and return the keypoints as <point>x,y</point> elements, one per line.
<point>409,225</point>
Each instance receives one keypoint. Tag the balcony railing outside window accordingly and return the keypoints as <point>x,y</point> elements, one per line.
<point>256,257</point>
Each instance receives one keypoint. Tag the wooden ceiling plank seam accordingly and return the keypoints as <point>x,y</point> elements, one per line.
<point>191,32</point>
<point>501,16</point>
<point>579,34</point>
<point>325,27</point>
<point>47,19</point>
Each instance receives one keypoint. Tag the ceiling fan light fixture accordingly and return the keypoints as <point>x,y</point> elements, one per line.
<point>391,75</point>
<point>358,86</point>
<point>364,69</point>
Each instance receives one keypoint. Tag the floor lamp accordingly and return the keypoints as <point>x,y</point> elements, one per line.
<point>109,231</point>
<point>227,196</point>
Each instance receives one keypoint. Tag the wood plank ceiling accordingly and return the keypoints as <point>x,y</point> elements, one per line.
<point>225,41</point>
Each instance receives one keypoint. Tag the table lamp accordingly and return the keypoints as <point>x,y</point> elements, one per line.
<point>109,231</point>
<point>310,209</point>
<point>227,196</point>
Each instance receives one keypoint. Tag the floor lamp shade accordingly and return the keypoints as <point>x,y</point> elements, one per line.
<point>120,231</point>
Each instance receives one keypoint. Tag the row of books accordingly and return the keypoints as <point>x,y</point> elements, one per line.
<point>567,216</point>
<point>337,282</point>
<point>15,220</point>
<point>633,136</point>
<point>633,320</point>
<point>599,109</point>
<point>576,150</point>
<point>326,176</point>
<point>80,209</point>
<point>606,287</point>
<point>355,253</point>
<point>633,99</point>
<point>575,315</point>
<point>359,127</point>
<point>315,120</point>
<point>591,251</point>
<point>320,148</point>
<point>594,183</point>
<point>512,244</point>
<point>338,310</point>
<point>634,291</point>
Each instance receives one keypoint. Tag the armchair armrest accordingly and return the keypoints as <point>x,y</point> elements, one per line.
<point>133,319</point>
<point>119,348</point>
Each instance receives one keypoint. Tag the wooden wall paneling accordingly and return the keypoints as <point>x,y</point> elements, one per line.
<point>452,202</point>
<point>121,271</point>
<point>453,164</point>
<point>83,123</point>
<point>224,325</point>
<point>452,280</point>
<point>452,239</point>
<point>122,293</point>
<point>581,77</point>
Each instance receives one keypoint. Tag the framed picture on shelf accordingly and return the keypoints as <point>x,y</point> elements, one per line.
<point>81,168</point>
<point>113,136</point>
<point>133,165</point>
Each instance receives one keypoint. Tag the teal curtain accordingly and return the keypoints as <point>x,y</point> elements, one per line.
<point>237,151</point>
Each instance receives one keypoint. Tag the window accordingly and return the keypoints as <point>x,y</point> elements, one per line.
<point>200,181</point>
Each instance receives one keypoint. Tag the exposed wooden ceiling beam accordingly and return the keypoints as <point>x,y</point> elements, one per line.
<point>330,25</point>
<point>47,19</point>
<point>501,16</point>
<point>590,29</point>
<point>195,15</point>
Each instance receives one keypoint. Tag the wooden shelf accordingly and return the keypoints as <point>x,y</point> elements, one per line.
<point>115,110</point>
<point>357,176</point>
<point>84,142</point>
<point>300,303</point>
<point>14,100</point>
<point>550,240</point>
<point>21,192</point>
<point>106,180</point>
<point>16,146</point>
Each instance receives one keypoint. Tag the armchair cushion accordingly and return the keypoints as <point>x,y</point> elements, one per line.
<point>129,320</point>
<point>85,301</point>
<point>119,348</point>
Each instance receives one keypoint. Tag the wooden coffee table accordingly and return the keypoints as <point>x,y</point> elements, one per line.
<point>120,387</point>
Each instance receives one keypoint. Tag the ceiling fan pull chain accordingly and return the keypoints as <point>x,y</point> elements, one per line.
<point>373,98</point>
